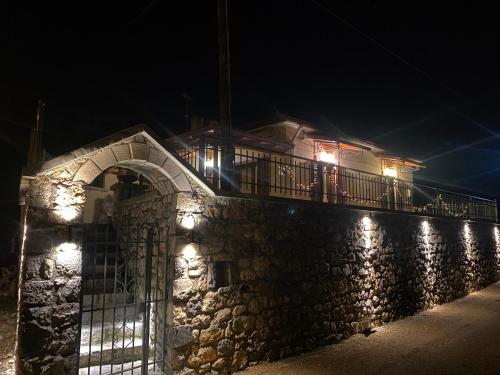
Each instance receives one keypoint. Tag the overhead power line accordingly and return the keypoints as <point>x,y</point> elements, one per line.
<point>387,50</point>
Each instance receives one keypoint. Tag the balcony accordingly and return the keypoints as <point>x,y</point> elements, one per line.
<point>264,173</point>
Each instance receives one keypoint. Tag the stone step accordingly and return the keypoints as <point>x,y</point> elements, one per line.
<point>131,313</point>
<point>107,332</point>
<point>109,300</point>
<point>102,285</point>
<point>98,271</point>
<point>111,353</point>
<point>129,368</point>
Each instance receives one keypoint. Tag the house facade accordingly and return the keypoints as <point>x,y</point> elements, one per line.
<point>143,255</point>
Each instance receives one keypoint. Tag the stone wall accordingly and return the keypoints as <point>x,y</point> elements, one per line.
<point>51,276</point>
<point>310,275</point>
<point>303,275</point>
<point>134,218</point>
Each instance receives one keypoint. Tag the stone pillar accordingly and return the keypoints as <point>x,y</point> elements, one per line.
<point>50,269</point>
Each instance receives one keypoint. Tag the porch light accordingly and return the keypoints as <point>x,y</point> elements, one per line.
<point>327,157</point>
<point>209,163</point>
<point>390,172</point>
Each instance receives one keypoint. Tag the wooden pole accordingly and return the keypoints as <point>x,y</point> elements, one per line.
<point>227,150</point>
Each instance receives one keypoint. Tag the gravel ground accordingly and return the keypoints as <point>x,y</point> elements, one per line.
<point>7,335</point>
<point>461,337</point>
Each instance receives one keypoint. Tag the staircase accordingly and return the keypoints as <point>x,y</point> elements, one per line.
<point>111,328</point>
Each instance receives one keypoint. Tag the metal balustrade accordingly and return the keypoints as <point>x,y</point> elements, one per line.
<point>264,173</point>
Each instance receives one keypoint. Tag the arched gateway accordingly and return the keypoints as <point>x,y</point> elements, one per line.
<point>94,297</point>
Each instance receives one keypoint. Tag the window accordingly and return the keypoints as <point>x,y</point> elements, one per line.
<point>220,274</point>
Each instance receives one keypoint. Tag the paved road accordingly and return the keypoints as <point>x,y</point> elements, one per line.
<point>461,337</point>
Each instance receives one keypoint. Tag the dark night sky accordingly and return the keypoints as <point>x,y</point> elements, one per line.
<point>102,67</point>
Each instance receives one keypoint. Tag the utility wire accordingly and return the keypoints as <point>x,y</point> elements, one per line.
<point>389,51</point>
<point>139,15</point>
<point>424,73</point>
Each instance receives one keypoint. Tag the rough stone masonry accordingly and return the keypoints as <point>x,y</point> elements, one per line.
<point>298,276</point>
<point>306,275</point>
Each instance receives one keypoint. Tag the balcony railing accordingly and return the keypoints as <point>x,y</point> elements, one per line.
<point>269,174</point>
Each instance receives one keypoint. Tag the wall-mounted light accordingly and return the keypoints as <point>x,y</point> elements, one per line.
<point>189,251</point>
<point>390,172</point>
<point>188,221</point>
<point>327,157</point>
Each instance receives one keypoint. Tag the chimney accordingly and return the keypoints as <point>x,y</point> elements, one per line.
<point>197,122</point>
<point>35,152</point>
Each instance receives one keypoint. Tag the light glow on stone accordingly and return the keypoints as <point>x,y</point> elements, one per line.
<point>497,235</point>
<point>425,227</point>
<point>367,227</point>
<point>67,254</point>
<point>64,202</point>
<point>467,231</point>
<point>189,251</point>
<point>188,221</point>
<point>367,223</point>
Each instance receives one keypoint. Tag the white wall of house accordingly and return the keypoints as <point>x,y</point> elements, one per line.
<point>95,196</point>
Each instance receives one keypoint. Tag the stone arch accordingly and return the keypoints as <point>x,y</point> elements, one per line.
<point>139,152</point>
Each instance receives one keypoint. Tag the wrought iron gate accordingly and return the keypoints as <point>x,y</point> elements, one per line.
<point>124,300</point>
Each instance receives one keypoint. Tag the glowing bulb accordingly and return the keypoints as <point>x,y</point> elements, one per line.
<point>389,172</point>
<point>189,251</point>
<point>188,222</point>
<point>209,163</point>
<point>327,157</point>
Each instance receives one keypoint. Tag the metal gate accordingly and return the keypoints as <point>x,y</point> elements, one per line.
<point>123,300</point>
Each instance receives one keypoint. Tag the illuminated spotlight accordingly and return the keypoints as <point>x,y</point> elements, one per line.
<point>389,172</point>
<point>209,163</point>
<point>327,157</point>
<point>188,221</point>
<point>189,251</point>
